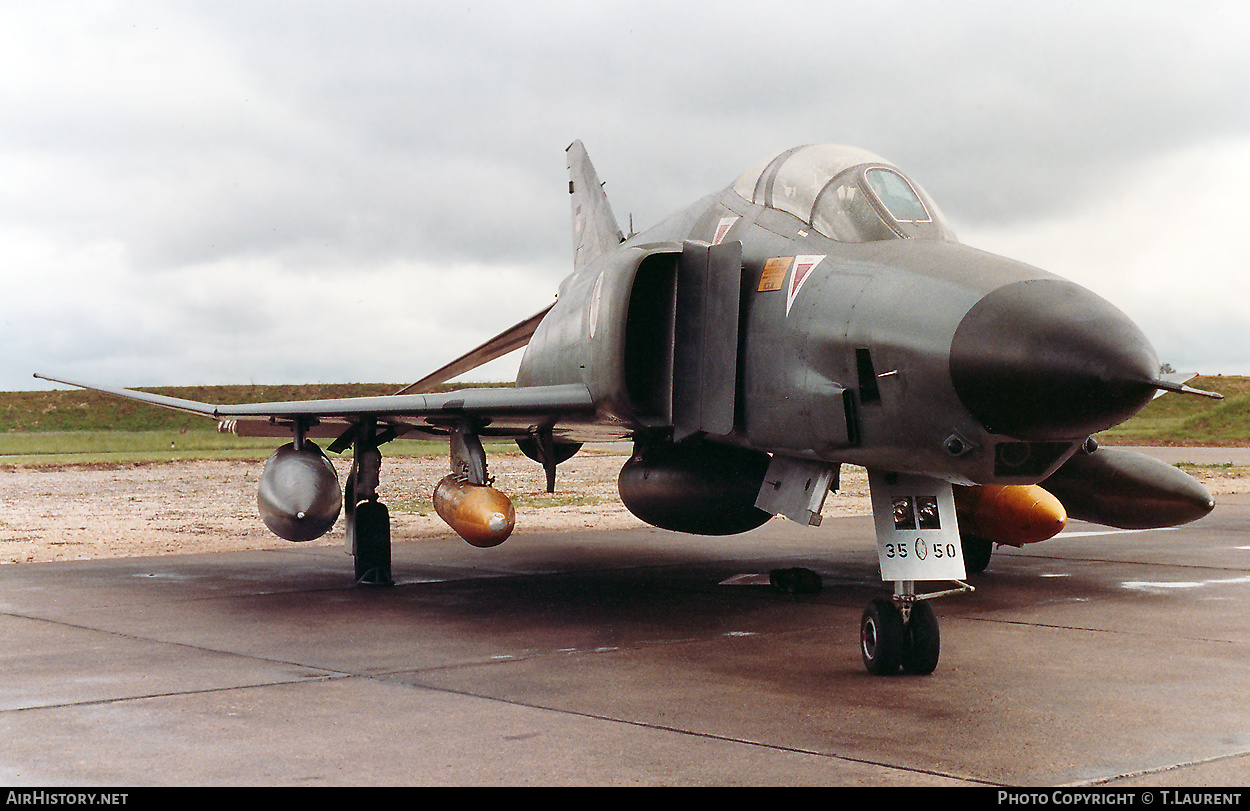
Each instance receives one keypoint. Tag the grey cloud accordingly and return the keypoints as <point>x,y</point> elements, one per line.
<point>332,139</point>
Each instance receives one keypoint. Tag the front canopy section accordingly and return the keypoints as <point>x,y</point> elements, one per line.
<point>845,193</point>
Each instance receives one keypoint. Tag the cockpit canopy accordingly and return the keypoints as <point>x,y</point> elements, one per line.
<point>845,193</point>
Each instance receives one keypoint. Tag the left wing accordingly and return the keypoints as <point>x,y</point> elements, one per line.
<point>504,412</point>
<point>494,412</point>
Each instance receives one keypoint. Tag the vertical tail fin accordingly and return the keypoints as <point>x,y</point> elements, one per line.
<point>595,230</point>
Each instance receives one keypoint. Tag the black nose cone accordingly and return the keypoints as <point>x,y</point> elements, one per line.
<point>1045,359</point>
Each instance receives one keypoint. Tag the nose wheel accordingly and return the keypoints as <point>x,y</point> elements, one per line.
<point>882,638</point>
<point>922,641</point>
<point>902,634</point>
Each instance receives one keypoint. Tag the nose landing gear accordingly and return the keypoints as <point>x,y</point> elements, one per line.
<point>902,633</point>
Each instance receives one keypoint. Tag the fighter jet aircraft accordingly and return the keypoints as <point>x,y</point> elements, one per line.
<point>816,312</point>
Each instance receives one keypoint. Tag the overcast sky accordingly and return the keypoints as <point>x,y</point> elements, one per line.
<point>272,192</point>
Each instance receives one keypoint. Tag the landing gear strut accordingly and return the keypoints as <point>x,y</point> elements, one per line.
<point>368,520</point>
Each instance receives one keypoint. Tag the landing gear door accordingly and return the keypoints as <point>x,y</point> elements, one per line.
<point>917,534</point>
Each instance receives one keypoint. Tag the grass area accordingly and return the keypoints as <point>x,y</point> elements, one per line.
<point>556,499</point>
<point>1181,419</point>
<point>81,410</point>
<point>125,447</point>
<point>1225,468</point>
<point>58,427</point>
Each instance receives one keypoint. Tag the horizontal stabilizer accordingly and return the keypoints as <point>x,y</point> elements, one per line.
<point>513,338</point>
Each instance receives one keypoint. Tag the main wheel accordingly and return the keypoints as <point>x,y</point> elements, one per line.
<point>881,638</point>
<point>795,581</point>
<point>373,544</point>
<point>977,552</point>
<point>923,642</point>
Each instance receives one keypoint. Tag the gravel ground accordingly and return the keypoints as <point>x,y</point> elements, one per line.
<point>76,512</point>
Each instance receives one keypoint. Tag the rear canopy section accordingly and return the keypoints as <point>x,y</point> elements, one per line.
<point>846,193</point>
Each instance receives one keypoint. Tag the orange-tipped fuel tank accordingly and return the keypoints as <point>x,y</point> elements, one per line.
<point>480,514</point>
<point>1013,514</point>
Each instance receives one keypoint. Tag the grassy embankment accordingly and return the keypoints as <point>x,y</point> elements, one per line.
<point>84,427</point>
<point>81,427</point>
<point>1180,419</point>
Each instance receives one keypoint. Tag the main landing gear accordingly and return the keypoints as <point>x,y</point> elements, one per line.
<point>477,512</point>
<point>977,553</point>
<point>902,633</point>
<point>367,519</point>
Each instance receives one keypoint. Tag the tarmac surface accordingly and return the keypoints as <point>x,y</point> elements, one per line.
<point>623,658</point>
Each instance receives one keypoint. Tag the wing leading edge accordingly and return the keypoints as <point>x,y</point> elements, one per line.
<point>505,412</point>
<point>501,411</point>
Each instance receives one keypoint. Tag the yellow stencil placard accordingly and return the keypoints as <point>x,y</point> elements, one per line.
<point>774,275</point>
